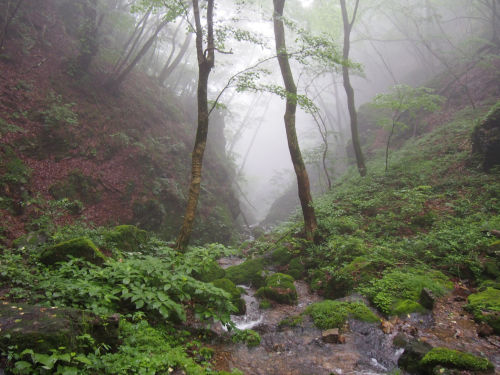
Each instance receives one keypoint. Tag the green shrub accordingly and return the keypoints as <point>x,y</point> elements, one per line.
<point>333,314</point>
<point>296,268</point>
<point>127,238</point>
<point>247,336</point>
<point>281,256</point>
<point>228,286</point>
<point>454,359</point>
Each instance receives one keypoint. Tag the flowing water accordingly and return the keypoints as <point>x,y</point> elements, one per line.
<point>367,349</point>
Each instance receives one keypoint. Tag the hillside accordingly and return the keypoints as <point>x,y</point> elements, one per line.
<point>71,152</point>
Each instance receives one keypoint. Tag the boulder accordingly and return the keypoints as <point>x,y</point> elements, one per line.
<point>414,351</point>
<point>44,328</point>
<point>279,288</point>
<point>427,298</point>
<point>81,247</point>
<point>333,336</point>
<point>486,139</point>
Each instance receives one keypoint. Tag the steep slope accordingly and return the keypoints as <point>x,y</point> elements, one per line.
<point>72,151</point>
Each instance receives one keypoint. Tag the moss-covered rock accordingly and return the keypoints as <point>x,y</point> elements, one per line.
<point>81,247</point>
<point>127,238</point>
<point>250,272</point>
<point>398,292</point>
<point>414,351</point>
<point>454,359</point>
<point>281,256</point>
<point>210,271</point>
<point>279,288</point>
<point>235,292</point>
<point>485,306</point>
<point>333,314</point>
<point>44,328</point>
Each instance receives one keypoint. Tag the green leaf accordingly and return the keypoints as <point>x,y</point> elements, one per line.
<point>23,365</point>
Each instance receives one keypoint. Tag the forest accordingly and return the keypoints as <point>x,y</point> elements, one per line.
<point>261,187</point>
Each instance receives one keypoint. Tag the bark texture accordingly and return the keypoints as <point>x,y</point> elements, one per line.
<point>291,134</point>
<point>206,59</point>
<point>360,160</point>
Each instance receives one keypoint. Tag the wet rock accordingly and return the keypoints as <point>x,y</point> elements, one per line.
<point>413,353</point>
<point>484,330</point>
<point>427,298</point>
<point>44,328</point>
<point>386,326</point>
<point>333,336</point>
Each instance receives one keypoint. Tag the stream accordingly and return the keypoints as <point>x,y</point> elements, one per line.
<point>367,349</point>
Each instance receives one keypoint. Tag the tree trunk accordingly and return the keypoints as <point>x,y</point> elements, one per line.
<point>169,67</point>
<point>8,20</point>
<point>114,84</point>
<point>205,64</point>
<point>348,87</point>
<point>305,198</point>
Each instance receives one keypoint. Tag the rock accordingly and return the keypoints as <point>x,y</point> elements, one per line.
<point>228,286</point>
<point>332,336</point>
<point>44,328</point>
<point>453,359</point>
<point>387,326</point>
<point>127,238</point>
<point>427,298</point>
<point>279,288</point>
<point>414,351</point>
<point>484,330</point>
<point>486,139</point>
<point>81,247</point>
<point>485,306</point>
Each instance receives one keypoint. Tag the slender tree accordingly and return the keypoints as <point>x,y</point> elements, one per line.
<point>305,197</point>
<point>206,60</point>
<point>348,87</point>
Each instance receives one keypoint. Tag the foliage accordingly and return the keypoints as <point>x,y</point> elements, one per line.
<point>333,314</point>
<point>58,113</point>
<point>247,336</point>
<point>485,306</point>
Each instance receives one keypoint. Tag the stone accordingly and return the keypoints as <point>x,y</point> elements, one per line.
<point>386,326</point>
<point>484,330</point>
<point>413,353</point>
<point>332,336</point>
<point>486,139</point>
<point>427,298</point>
<point>81,247</point>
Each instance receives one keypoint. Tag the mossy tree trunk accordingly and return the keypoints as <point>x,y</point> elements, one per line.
<point>291,134</point>
<point>206,58</point>
<point>348,87</point>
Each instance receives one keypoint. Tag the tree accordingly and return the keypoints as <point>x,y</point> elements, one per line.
<point>348,87</point>
<point>206,60</point>
<point>405,101</point>
<point>310,224</point>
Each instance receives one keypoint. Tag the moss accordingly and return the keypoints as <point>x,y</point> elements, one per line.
<point>247,336</point>
<point>43,329</point>
<point>235,292</point>
<point>247,273</point>
<point>406,306</point>
<point>265,304</point>
<point>296,268</point>
<point>291,321</point>
<point>333,314</point>
<point>211,271</point>
<point>485,306</point>
<point>281,256</point>
<point>81,247</point>
<point>454,359</point>
<point>279,288</point>
<point>394,291</point>
<point>127,238</point>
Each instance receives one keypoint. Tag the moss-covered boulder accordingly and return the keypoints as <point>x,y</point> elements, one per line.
<point>329,314</point>
<point>81,247</point>
<point>127,238</point>
<point>235,292</point>
<point>209,272</point>
<point>250,273</point>
<point>454,359</point>
<point>414,351</point>
<point>485,306</point>
<point>44,328</point>
<point>486,139</point>
<point>279,288</point>
<point>281,256</point>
